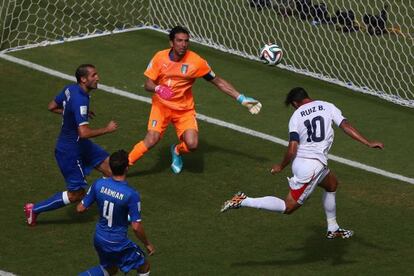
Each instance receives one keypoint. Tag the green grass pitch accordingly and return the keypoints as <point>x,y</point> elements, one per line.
<point>181,213</point>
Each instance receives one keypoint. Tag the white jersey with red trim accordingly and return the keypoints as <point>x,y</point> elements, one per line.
<point>311,126</point>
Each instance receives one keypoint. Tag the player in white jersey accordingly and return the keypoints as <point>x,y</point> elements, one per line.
<point>310,138</point>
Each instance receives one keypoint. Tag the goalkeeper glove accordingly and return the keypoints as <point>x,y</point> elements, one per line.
<point>164,92</point>
<point>252,105</point>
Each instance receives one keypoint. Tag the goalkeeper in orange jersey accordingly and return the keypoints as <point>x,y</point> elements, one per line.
<point>170,75</point>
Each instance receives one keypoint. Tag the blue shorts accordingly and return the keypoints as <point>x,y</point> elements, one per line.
<point>125,255</point>
<point>75,165</point>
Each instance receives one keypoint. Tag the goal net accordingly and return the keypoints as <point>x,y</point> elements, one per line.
<point>366,46</point>
<point>26,23</point>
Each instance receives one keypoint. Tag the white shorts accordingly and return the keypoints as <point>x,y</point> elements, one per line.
<point>307,174</point>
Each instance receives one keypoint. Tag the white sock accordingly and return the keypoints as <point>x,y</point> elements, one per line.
<point>329,204</point>
<point>144,274</point>
<point>65,197</point>
<point>270,203</point>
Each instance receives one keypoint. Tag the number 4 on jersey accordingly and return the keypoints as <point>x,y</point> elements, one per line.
<point>108,211</point>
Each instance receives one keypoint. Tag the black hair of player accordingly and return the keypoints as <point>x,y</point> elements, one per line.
<point>118,161</point>
<point>297,94</point>
<point>177,30</point>
<point>82,71</point>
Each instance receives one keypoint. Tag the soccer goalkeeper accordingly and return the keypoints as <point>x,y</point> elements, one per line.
<point>170,76</point>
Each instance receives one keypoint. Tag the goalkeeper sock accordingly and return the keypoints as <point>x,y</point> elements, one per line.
<point>137,152</point>
<point>181,148</point>
<point>56,201</point>
<point>329,204</point>
<point>269,203</point>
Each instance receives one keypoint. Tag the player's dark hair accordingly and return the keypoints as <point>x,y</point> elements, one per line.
<point>177,30</point>
<point>297,94</point>
<point>118,161</point>
<point>82,71</point>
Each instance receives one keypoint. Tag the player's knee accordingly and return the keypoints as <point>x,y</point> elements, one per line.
<point>291,206</point>
<point>332,186</point>
<point>152,139</point>
<point>192,144</point>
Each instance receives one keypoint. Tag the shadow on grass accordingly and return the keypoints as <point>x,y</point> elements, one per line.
<point>316,248</point>
<point>193,162</point>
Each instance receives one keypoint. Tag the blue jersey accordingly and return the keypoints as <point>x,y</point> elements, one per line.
<point>116,200</point>
<point>75,104</point>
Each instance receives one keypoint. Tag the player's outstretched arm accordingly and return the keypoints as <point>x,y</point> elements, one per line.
<point>140,234</point>
<point>354,134</point>
<point>252,105</point>
<point>85,131</point>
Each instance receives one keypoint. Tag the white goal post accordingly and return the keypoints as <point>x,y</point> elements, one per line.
<point>366,46</point>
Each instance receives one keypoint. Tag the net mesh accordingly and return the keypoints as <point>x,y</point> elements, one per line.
<point>26,22</point>
<point>363,45</point>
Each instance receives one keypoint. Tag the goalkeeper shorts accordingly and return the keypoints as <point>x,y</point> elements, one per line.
<point>161,116</point>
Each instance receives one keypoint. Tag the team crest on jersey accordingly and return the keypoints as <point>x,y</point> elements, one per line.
<point>83,110</point>
<point>154,123</point>
<point>184,68</point>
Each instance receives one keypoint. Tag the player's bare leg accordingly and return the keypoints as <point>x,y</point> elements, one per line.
<point>190,138</point>
<point>330,184</point>
<point>104,168</point>
<point>144,269</point>
<point>291,204</point>
<point>76,196</point>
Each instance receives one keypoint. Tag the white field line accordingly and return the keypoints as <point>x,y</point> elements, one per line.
<point>5,273</point>
<point>208,119</point>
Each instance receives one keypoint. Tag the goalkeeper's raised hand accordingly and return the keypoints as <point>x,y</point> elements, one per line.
<point>252,105</point>
<point>164,92</point>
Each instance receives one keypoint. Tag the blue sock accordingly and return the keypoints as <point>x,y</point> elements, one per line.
<point>93,271</point>
<point>54,202</point>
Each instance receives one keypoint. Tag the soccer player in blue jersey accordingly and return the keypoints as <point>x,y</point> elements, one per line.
<point>75,154</point>
<point>116,200</point>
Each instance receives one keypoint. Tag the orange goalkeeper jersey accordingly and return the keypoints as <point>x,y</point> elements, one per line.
<point>179,76</point>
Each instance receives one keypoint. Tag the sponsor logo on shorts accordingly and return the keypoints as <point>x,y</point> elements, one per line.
<point>154,123</point>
